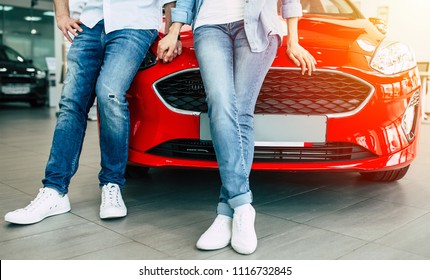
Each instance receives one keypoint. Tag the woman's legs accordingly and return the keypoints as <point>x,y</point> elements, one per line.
<point>232,76</point>
<point>214,46</point>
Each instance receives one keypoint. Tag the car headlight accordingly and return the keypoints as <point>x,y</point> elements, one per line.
<point>40,74</point>
<point>392,57</point>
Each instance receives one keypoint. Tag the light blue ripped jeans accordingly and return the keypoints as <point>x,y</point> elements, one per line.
<point>232,76</point>
<point>103,65</point>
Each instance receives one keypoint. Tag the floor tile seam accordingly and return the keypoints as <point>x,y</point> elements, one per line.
<point>315,227</point>
<point>43,232</point>
<point>134,239</point>
<point>372,240</point>
<point>367,199</point>
<point>305,192</point>
<point>322,215</point>
<point>93,251</point>
<point>402,204</point>
<point>340,233</point>
<point>397,249</point>
<point>153,248</point>
<point>268,238</point>
<point>399,228</point>
<point>166,228</point>
<point>354,250</point>
<point>382,245</point>
<point>323,229</point>
<point>32,195</point>
<point>353,194</point>
<point>256,205</point>
<point>27,150</point>
<point>87,253</point>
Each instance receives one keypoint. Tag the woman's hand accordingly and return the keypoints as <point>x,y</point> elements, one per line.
<point>301,57</point>
<point>169,48</point>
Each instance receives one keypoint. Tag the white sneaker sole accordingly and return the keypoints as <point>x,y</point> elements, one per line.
<point>24,221</point>
<point>112,214</point>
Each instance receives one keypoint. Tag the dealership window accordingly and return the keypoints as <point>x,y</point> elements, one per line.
<point>28,31</point>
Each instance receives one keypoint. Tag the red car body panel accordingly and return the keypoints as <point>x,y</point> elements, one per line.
<point>341,45</point>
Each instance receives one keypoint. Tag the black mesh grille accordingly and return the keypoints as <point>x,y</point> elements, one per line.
<point>324,152</point>
<point>16,80</point>
<point>283,92</point>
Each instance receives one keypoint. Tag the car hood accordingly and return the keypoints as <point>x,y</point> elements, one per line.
<point>334,33</point>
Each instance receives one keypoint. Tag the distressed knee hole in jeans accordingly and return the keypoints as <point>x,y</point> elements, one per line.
<point>113,97</point>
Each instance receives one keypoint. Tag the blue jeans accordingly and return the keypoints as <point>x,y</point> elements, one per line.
<point>103,65</point>
<point>232,76</point>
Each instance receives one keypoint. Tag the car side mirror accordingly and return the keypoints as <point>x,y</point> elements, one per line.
<point>380,24</point>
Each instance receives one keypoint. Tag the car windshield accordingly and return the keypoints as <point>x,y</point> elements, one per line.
<point>342,8</point>
<point>8,54</point>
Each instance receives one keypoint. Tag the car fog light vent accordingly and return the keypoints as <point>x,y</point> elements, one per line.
<point>149,60</point>
<point>410,117</point>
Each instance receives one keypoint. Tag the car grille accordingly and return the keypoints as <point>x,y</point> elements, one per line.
<point>284,91</point>
<point>323,152</point>
<point>16,80</point>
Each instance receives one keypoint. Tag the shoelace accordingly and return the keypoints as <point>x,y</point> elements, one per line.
<point>41,196</point>
<point>243,219</point>
<point>113,196</point>
<point>218,224</point>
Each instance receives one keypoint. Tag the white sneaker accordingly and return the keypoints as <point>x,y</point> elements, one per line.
<point>244,238</point>
<point>48,202</point>
<point>112,205</point>
<point>217,236</point>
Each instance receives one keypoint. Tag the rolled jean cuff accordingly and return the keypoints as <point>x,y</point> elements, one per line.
<point>224,209</point>
<point>240,200</point>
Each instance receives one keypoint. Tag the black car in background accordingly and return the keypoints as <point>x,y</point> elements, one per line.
<point>20,81</point>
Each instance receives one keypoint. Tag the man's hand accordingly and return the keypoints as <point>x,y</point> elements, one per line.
<point>69,25</point>
<point>169,48</point>
<point>301,58</point>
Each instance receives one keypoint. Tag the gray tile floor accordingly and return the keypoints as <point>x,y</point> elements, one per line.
<point>302,216</point>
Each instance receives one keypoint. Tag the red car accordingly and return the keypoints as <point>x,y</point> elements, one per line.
<point>360,110</point>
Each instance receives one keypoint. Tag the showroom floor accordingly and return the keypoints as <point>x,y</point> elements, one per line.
<point>300,215</point>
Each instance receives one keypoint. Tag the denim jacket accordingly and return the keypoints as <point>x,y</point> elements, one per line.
<point>260,17</point>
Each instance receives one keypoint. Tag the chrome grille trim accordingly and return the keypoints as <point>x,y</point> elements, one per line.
<point>349,80</point>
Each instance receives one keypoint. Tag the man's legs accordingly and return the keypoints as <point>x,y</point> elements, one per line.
<point>124,52</point>
<point>89,64</point>
<point>83,64</point>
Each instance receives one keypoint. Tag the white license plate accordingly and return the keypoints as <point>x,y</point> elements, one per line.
<point>16,89</point>
<point>280,130</point>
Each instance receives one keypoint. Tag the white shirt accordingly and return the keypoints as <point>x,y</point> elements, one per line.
<point>220,12</point>
<point>121,14</point>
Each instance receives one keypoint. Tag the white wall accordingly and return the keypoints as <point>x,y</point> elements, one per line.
<point>408,21</point>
